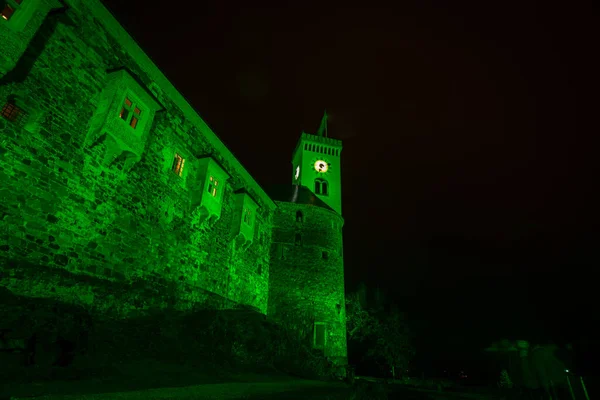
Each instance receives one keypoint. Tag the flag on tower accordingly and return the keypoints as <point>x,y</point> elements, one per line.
<point>323,126</point>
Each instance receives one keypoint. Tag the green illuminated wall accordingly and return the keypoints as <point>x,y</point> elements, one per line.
<point>82,190</point>
<point>313,149</point>
<point>85,190</point>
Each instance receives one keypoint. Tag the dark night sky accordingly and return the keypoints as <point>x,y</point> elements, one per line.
<point>468,160</point>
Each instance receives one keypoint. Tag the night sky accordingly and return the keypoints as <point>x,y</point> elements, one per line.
<point>468,162</point>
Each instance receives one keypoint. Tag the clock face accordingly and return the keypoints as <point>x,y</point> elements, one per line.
<point>297,172</point>
<point>321,166</point>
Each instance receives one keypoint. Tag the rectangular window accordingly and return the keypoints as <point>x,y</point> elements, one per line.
<point>247,216</point>
<point>130,112</point>
<point>13,113</point>
<point>319,335</point>
<point>9,8</point>
<point>178,164</point>
<point>212,186</point>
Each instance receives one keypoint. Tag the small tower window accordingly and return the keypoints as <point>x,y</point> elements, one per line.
<point>298,239</point>
<point>319,335</point>
<point>9,8</point>
<point>325,255</point>
<point>213,186</point>
<point>259,269</point>
<point>178,163</point>
<point>13,113</point>
<point>130,112</point>
<point>321,187</point>
<point>281,251</point>
<point>299,216</point>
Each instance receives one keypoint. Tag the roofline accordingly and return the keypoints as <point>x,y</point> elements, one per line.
<point>145,63</point>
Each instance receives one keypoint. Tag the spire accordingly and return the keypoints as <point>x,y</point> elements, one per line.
<point>323,126</point>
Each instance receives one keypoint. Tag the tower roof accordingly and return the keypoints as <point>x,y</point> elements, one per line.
<point>296,194</point>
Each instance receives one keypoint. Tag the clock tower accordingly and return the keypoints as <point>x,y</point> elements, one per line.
<point>316,165</point>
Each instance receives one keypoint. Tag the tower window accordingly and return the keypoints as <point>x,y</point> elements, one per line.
<point>9,8</point>
<point>299,216</point>
<point>178,163</point>
<point>298,239</point>
<point>259,269</point>
<point>281,251</point>
<point>321,187</point>
<point>130,112</point>
<point>319,335</point>
<point>213,186</point>
<point>325,255</point>
<point>13,113</point>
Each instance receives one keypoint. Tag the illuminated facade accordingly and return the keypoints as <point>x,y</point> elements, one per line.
<point>107,172</point>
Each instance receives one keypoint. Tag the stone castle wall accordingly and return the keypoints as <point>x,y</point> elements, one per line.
<point>307,275</point>
<point>73,198</point>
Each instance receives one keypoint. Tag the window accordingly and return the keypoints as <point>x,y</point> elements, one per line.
<point>298,239</point>
<point>259,269</point>
<point>9,8</point>
<point>281,251</point>
<point>325,255</point>
<point>247,216</point>
<point>299,216</point>
<point>212,186</point>
<point>178,163</point>
<point>130,112</point>
<point>321,187</point>
<point>319,335</point>
<point>13,113</point>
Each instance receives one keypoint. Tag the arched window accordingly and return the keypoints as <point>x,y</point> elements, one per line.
<point>321,187</point>
<point>299,216</point>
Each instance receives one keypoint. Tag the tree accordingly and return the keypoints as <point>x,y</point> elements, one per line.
<point>392,342</point>
<point>386,334</point>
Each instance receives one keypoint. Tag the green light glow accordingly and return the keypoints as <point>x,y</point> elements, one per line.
<point>107,172</point>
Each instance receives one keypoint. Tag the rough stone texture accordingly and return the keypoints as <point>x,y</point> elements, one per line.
<point>65,205</point>
<point>93,215</point>
<point>307,277</point>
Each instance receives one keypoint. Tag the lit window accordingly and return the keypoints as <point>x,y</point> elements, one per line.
<point>130,112</point>
<point>178,164</point>
<point>212,186</point>
<point>9,8</point>
<point>321,187</point>
<point>247,215</point>
<point>15,114</point>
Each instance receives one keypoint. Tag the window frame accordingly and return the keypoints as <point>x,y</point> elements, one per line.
<point>324,325</point>
<point>213,190</point>
<point>177,167</point>
<point>247,217</point>
<point>130,109</point>
<point>320,182</point>
<point>14,6</point>
<point>21,114</point>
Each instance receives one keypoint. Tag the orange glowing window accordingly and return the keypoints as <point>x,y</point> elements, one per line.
<point>9,7</point>
<point>13,113</point>
<point>212,186</point>
<point>130,112</point>
<point>178,164</point>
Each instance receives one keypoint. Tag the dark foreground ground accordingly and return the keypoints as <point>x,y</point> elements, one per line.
<point>142,382</point>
